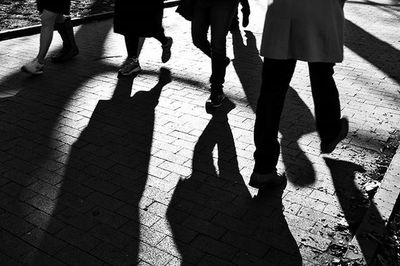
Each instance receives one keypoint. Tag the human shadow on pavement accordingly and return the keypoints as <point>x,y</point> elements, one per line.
<point>106,176</point>
<point>248,65</point>
<point>35,138</point>
<point>377,52</point>
<point>214,220</point>
<point>297,119</point>
<point>354,202</point>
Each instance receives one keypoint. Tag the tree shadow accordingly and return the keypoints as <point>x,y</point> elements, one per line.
<point>354,203</point>
<point>213,218</point>
<point>297,119</point>
<point>106,175</point>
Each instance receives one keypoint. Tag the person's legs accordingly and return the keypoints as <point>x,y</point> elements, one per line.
<point>200,25</point>
<point>131,64</point>
<point>276,76</point>
<point>132,45</point>
<point>327,105</point>
<point>70,49</point>
<point>48,20</point>
<point>221,15</point>
<point>166,44</point>
<point>235,22</point>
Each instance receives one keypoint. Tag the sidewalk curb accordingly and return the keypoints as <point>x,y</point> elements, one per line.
<point>26,31</point>
<point>35,29</point>
<point>371,229</point>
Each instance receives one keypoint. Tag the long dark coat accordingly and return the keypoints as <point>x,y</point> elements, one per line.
<point>142,18</point>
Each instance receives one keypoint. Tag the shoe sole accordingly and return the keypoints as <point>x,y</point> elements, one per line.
<point>135,70</point>
<point>342,135</point>
<point>32,73</point>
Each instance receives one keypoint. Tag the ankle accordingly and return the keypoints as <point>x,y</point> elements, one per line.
<point>40,60</point>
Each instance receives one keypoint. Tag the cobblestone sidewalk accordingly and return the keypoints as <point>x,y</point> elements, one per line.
<point>96,170</point>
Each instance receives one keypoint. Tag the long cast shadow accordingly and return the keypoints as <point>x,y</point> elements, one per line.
<point>297,119</point>
<point>106,175</point>
<point>377,52</point>
<point>354,203</point>
<point>33,137</point>
<point>213,208</point>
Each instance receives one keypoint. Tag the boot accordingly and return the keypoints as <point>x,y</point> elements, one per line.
<point>69,49</point>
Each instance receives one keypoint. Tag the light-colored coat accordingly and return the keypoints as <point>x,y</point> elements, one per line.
<point>307,30</point>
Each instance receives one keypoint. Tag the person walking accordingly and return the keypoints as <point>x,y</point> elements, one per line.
<point>217,15</point>
<point>53,15</point>
<point>140,18</point>
<point>310,31</point>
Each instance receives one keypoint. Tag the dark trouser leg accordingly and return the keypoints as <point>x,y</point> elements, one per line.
<point>276,76</point>
<point>221,15</point>
<point>132,45</point>
<point>235,22</point>
<point>326,100</point>
<point>160,36</point>
<point>200,25</point>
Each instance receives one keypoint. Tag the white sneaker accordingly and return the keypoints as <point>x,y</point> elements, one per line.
<point>33,67</point>
<point>131,65</point>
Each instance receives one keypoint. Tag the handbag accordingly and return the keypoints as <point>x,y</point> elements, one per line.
<point>186,9</point>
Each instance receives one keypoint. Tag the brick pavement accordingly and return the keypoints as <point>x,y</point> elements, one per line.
<point>98,170</point>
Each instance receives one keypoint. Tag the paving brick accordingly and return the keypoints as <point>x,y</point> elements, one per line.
<point>81,221</point>
<point>154,256</point>
<point>114,255</point>
<point>43,203</point>
<point>214,247</point>
<point>6,260</point>
<point>204,227</point>
<point>14,224</point>
<point>44,241</point>
<point>71,255</point>
<point>45,221</point>
<point>16,207</point>
<point>78,238</point>
<point>110,235</point>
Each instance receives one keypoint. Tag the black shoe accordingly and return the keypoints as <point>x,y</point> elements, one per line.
<point>328,147</point>
<point>166,50</point>
<point>266,180</point>
<point>215,100</point>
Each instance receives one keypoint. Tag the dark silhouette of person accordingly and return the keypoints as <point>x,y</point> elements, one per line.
<point>112,158</point>
<point>53,15</point>
<point>213,208</point>
<point>216,15</point>
<point>355,205</point>
<point>317,40</point>
<point>140,18</point>
<point>297,119</point>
